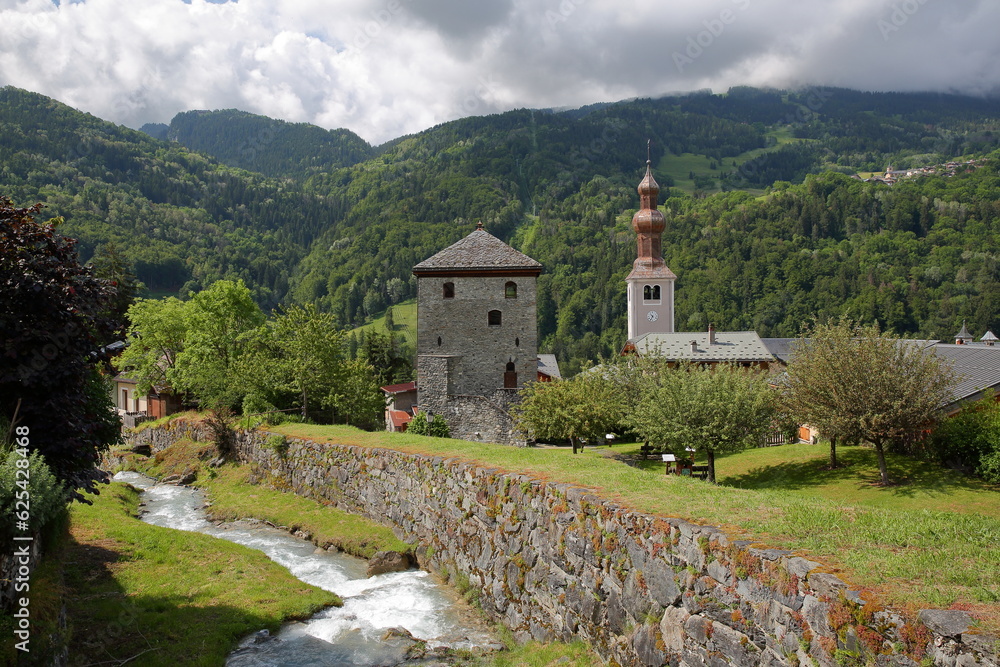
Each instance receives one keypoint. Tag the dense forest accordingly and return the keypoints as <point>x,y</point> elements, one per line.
<point>763,232</point>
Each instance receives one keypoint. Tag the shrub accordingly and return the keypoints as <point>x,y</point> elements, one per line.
<point>437,427</point>
<point>971,438</point>
<point>278,444</point>
<point>989,467</point>
<point>45,494</point>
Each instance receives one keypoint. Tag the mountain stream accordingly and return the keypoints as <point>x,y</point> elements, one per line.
<point>363,631</point>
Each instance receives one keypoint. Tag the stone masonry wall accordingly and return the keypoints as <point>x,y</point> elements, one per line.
<point>460,323</point>
<point>555,561</point>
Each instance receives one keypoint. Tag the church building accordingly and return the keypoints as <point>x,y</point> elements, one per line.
<point>477,335</point>
<point>651,301</point>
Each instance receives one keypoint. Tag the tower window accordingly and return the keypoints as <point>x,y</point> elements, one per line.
<point>448,290</point>
<point>651,293</point>
<point>517,342</point>
<point>493,318</point>
<point>439,341</point>
<point>510,290</point>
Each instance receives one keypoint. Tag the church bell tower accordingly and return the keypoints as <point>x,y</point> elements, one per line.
<point>651,283</point>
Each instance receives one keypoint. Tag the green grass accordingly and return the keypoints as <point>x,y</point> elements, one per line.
<point>165,597</point>
<point>404,316</point>
<point>234,497</point>
<point>920,544</point>
<point>804,469</point>
<point>536,654</point>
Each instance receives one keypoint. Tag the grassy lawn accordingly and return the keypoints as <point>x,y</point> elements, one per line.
<point>164,596</point>
<point>804,469</point>
<point>932,542</point>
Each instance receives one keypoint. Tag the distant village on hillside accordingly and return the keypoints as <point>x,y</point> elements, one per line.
<point>948,169</point>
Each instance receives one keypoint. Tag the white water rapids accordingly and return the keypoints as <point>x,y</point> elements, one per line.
<point>348,635</point>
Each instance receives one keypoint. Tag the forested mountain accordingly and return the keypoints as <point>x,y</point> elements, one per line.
<point>271,147</point>
<point>919,256</point>
<point>184,219</point>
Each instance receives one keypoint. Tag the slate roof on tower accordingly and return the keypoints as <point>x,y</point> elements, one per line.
<point>479,252</point>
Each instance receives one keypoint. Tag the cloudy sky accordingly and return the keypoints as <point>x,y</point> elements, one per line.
<point>389,67</point>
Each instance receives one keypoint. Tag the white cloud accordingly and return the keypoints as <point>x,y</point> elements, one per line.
<point>388,67</point>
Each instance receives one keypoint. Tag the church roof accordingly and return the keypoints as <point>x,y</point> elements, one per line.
<point>479,252</point>
<point>733,346</point>
<point>645,269</point>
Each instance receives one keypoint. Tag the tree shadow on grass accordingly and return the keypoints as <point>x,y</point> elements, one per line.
<point>908,477</point>
<point>111,627</point>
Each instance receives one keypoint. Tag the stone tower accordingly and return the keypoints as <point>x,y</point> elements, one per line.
<point>651,283</point>
<point>477,331</point>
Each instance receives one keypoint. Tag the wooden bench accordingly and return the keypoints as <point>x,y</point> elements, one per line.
<point>699,471</point>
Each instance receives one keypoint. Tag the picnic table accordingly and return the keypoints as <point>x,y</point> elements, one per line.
<point>684,467</point>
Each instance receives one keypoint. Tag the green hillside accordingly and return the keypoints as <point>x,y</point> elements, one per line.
<point>271,147</point>
<point>404,317</point>
<point>751,251</point>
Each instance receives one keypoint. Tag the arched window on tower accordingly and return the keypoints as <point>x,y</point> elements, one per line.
<point>651,293</point>
<point>448,290</point>
<point>493,318</point>
<point>510,290</point>
<point>510,376</point>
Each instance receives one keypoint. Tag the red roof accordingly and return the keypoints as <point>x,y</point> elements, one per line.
<point>400,388</point>
<point>399,418</point>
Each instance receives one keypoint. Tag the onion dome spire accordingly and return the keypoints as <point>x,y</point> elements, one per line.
<point>648,219</point>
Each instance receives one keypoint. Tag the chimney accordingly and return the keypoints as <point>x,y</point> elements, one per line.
<point>711,334</point>
<point>694,346</point>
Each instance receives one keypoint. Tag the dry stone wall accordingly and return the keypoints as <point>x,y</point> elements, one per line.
<point>552,561</point>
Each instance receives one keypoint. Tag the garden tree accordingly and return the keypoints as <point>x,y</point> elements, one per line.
<point>718,409</point>
<point>581,409</point>
<point>158,328</point>
<point>302,352</point>
<point>53,317</point>
<point>856,380</point>
<point>312,352</point>
<point>218,321</point>
<point>357,399</point>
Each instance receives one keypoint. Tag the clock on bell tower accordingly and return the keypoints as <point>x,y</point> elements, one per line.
<point>651,283</point>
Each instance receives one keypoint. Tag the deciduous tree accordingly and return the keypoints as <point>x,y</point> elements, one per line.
<point>717,409</point>
<point>856,380</point>
<point>53,319</point>
<point>584,408</point>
